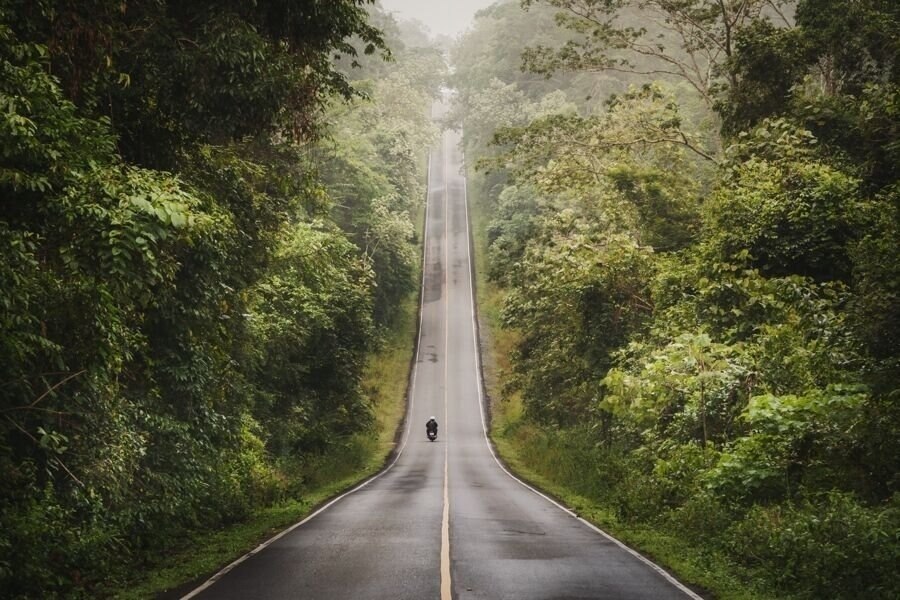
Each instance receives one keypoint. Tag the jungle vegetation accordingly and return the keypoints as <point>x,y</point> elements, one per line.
<point>206,228</point>
<point>693,223</point>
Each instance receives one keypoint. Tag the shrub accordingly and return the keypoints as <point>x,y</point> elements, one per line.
<point>824,547</point>
<point>701,520</point>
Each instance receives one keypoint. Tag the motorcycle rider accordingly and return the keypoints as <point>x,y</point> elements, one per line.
<point>431,426</point>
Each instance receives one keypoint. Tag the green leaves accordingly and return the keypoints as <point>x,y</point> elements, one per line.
<point>578,293</point>
<point>789,414</point>
<point>689,40</point>
<point>700,385</point>
<point>566,150</point>
<point>311,322</point>
<point>789,214</point>
<point>373,169</point>
<point>717,328</point>
<point>180,312</point>
<point>52,441</point>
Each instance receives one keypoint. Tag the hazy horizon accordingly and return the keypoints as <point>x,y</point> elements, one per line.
<point>441,17</point>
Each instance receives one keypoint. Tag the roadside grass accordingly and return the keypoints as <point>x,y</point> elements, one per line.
<point>496,342</point>
<point>360,456</point>
<point>387,377</point>
<point>536,458</point>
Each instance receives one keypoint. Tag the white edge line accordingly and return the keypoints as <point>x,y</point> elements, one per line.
<point>480,385</point>
<point>409,408</point>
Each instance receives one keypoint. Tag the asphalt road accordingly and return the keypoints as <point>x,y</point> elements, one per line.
<point>445,519</point>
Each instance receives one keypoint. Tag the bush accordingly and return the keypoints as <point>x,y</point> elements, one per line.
<point>41,552</point>
<point>679,474</point>
<point>652,486</point>
<point>701,520</point>
<point>825,547</point>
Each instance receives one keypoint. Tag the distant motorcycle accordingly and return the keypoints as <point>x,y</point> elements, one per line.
<point>431,428</point>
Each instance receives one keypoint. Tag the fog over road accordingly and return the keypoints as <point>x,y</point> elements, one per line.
<point>441,18</point>
<point>445,520</point>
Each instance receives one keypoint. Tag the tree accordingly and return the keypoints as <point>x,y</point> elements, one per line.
<point>181,317</point>
<point>784,210</point>
<point>311,317</point>
<point>706,339</point>
<point>690,40</point>
<point>251,68</point>
<point>835,73</point>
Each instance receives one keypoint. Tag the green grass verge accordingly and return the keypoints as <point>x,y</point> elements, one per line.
<point>521,446</point>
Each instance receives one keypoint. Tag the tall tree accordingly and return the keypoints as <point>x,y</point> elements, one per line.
<point>689,40</point>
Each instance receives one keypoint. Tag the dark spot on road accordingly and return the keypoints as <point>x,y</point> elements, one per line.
<point>411,481</point>
<point>520,532</point>
<point>434,283</point>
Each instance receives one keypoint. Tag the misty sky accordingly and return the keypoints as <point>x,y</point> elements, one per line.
<point>449,17</point>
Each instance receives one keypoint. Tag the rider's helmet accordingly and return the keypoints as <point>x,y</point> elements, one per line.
<point>432,419</point>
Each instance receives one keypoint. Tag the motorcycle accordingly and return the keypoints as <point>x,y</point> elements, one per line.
<point>432,435</point>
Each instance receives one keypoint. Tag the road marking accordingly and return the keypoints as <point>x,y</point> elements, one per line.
<point>445,534</point>
<point>446,588</point>
<point>479,383</point>
<point>409,410</point>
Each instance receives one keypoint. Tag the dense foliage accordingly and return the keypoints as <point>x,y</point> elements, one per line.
<point>699,257</point>
<point>201,243</point>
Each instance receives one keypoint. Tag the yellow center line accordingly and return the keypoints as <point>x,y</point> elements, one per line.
<point>445,520</point>
<point>445,536</point>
